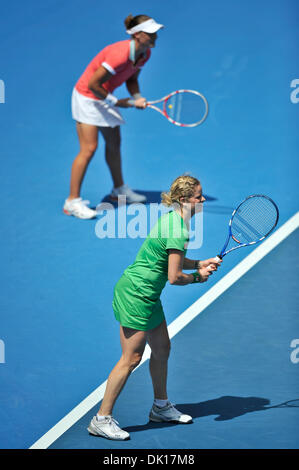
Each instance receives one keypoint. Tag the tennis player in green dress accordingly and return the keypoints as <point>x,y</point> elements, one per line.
<point>138,308</point>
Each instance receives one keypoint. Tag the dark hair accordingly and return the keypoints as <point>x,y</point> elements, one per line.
<point>132,21</point>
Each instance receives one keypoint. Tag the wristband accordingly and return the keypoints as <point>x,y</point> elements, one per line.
<point>111,99</point>
<point>136,96</point>
<point>197,264</point>
<point>196,277</point>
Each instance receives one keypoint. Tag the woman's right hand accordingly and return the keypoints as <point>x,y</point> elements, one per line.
<point>140,103</point>
<point>206,272</point>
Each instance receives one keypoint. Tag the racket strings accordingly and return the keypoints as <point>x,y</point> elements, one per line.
<point>185,108</point>
<point>254,219</point>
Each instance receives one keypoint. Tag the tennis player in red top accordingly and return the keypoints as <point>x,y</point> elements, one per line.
<point>95,108</point>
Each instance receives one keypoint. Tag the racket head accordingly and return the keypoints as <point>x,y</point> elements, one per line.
<point>288,404</point>
<point>292,403</point>
<point>186,108</point>
<point>254,219</point>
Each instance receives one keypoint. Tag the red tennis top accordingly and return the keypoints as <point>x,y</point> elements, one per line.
<point>116,59</point>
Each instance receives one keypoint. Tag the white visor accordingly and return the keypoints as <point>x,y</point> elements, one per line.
<point>148,26</point>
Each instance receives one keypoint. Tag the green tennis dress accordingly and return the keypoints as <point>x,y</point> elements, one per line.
<point>136,301</point>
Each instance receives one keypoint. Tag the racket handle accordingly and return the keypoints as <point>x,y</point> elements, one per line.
<point>218,258</point>
<point>132,102</point>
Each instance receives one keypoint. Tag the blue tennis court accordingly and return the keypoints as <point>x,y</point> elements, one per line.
<point>223,372</point>
<point>234,366</point>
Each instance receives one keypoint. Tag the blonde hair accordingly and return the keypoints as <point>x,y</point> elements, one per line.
<point>183,186</point>
<point>132,21</point>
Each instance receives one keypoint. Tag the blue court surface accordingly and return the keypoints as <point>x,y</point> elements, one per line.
<point>235,365</point>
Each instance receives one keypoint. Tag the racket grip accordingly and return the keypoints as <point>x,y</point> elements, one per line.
<point>218,258</point>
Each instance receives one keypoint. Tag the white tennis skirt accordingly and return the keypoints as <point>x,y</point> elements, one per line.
<point>94,112</point>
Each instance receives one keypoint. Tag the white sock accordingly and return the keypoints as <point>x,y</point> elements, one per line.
<point>118,189</point>
<point>100,417</point>
<point>160,403</point>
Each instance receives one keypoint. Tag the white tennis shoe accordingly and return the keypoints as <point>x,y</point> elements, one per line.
<point>107,427</point>
<point>168,414</point>
<point>79,208</point>
<point>130,195</point>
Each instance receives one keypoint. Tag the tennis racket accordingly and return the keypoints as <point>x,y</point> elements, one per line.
<point>251,222</point>
<point>184,108</point>
<point>287,404</point>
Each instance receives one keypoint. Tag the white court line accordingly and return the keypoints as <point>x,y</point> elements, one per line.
<point>177,325</point>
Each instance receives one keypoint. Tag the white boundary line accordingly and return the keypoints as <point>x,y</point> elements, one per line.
<point>177,325</point>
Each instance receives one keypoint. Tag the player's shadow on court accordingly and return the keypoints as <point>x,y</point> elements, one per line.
<point>229,407</point>
<point>225,408</point>
<point>152,197</point>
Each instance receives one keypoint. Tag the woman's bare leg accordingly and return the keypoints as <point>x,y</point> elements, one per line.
<point>88,138</point>
<point>133,344</point>
<point>158,340</point>
<point>112,153</point>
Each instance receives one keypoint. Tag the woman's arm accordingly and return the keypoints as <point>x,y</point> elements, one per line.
<point>95,85</point>
<point>132,85</point>
<point>190,263</point>
<point>177,277</point>
<point>175,269</point>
